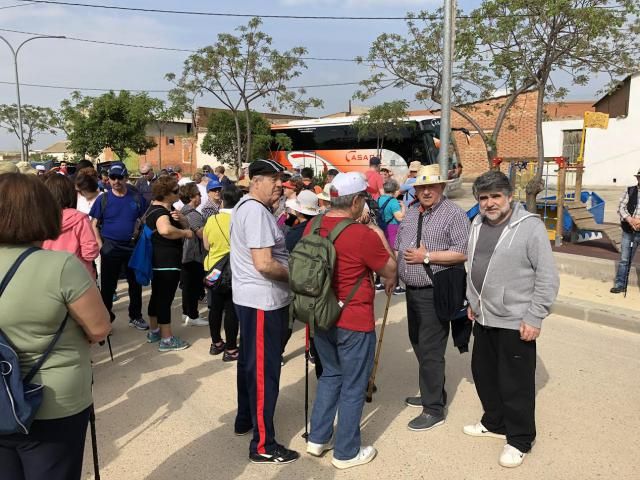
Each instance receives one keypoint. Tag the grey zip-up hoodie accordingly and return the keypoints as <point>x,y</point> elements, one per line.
<point>521,281</point>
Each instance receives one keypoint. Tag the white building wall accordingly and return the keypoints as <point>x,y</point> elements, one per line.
<point>611,156</point>
<point>203,158</point>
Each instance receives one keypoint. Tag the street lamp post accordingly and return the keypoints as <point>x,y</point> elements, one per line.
<point>15,63</point>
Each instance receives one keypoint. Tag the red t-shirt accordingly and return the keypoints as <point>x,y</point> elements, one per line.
<point>359,250</point>
<point>374,183</point>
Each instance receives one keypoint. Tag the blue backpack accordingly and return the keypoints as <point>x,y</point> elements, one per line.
<point>140,261</point>
<point>19,398</point>
<point>382,221</point>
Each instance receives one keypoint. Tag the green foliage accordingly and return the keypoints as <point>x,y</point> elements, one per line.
<point>282,141</point>
<point>115,121</point>
<point>240,70</point>
<point>35,121</point>
<point>383,121</point>
<point>540,41</point>
<point>221,137</point>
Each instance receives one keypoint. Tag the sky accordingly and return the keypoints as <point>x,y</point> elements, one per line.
<point>68,63</point>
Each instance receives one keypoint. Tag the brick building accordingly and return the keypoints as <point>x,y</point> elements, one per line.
<point>518,134</point>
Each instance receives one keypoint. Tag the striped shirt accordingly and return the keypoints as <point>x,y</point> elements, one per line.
<point>622,206</point>
<point>445,226</point>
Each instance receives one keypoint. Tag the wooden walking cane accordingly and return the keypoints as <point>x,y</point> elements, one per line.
<point>372,379</point>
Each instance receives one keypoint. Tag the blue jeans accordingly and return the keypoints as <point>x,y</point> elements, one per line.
<point>347,359</point>
<point>626,256</point>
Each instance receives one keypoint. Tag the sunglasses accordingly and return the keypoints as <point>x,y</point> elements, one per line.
<point>116,177</point>
<point>216,190</point>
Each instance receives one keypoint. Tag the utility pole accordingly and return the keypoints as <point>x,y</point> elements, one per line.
<point>15,64</point>
<point>445,119</point>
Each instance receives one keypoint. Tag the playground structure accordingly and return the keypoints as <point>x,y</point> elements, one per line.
<point>581,212</point>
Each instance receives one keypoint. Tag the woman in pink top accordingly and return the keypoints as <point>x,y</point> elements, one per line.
<point>76,236</point>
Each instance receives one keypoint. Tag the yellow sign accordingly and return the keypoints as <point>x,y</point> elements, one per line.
<point>596,120</point>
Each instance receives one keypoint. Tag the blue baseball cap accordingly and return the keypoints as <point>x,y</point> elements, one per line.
<point>213,184</point>
<point>120,170</point>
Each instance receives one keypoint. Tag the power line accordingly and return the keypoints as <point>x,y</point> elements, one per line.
<point>286,17</point>
<point>212,14</point>
<point>155,47</point>
<point>62,87</point>
<point>14,6</point>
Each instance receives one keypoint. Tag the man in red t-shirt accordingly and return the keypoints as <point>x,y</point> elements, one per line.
<point>347,350</point>
<point>374,178</point>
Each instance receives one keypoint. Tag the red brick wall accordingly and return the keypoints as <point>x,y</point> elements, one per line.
<point>182,153</point>
<point>517,137</point>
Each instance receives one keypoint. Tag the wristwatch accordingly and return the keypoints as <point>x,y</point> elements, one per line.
<point>426,259</point>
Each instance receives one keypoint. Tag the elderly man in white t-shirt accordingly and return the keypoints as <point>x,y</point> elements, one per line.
<point>259,265</point>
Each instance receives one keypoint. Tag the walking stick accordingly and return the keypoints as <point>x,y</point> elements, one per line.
<point>94,443</point>
<point>305,435</point>
<point>372,379</point>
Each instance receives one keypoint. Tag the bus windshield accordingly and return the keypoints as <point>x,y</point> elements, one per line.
<point>334,143</point>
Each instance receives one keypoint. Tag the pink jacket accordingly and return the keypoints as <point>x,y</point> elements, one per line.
<point>76,237</point>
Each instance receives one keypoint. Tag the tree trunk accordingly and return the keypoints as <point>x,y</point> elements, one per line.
<point>160,148</point>
<point>536,185</point>
<point>238,166</point>
<point>247,114</point>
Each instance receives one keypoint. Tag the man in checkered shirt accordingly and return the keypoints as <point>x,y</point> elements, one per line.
<point>443,244</point>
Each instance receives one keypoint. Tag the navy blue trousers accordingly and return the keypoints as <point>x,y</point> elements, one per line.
<point>259,364</point>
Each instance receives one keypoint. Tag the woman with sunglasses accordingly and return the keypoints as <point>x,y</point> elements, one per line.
<point>170,228</point>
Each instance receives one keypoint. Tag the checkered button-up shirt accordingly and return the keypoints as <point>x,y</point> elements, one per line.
<point>445,226</point>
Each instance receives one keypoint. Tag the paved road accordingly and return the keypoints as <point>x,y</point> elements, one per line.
<point>167,416</point>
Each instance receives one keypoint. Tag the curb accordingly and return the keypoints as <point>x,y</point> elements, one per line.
<point>594,268</point>
<point>614,317</point>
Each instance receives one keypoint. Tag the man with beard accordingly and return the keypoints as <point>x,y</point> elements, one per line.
<point>512,282</point>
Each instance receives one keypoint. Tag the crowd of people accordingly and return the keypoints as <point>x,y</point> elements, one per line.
<point>401,237</point>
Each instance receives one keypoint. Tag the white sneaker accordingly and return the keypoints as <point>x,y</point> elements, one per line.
<point>511,457</point>
<point>195,322</point>
<point>365,455</point>
<point>479,430</point>
<point>317,449</point>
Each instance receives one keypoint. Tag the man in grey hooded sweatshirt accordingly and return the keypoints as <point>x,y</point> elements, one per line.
<point>512,281</point>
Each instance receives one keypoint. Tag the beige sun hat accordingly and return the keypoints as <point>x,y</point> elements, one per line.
<point>306,203</point>
<point>326,193</point>
<point>429,175</point>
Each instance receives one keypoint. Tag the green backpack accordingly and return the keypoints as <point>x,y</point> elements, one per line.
<point>311,270</point>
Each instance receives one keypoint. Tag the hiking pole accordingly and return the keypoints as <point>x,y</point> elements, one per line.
<point>372,379</point>
<point>305,435</point>
<point>94,443</point>
<point>626,280</point>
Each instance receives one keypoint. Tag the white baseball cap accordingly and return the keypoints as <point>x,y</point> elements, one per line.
<point>349,183</point>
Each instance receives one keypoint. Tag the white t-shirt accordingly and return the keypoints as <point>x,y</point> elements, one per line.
<point>253,226</point>
<point>203,196</point>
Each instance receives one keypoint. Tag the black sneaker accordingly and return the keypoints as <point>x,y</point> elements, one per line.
<point>399,291</point>
<point>379,287</point>
<point>425,421</point>
<point>280,456</point>
<point>617,290</point>
<point>415,402</point>
<point>242,432</point>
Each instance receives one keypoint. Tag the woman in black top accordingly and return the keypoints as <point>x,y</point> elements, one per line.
<point>169,229</point>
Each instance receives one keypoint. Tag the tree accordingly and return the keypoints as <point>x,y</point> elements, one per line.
<point>239,70</point>
<point>221,140</point>
<point>383,122</point>
<point>538,41</point>
<point>115,121</point>
<point>35,121</point>
<point>417,61</point>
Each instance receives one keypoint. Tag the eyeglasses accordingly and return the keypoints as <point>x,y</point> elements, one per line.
<point>116,177</point>
<point>216,190</point>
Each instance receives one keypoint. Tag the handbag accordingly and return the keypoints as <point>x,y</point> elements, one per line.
<point>20,399</point>
<point>449,287</point>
